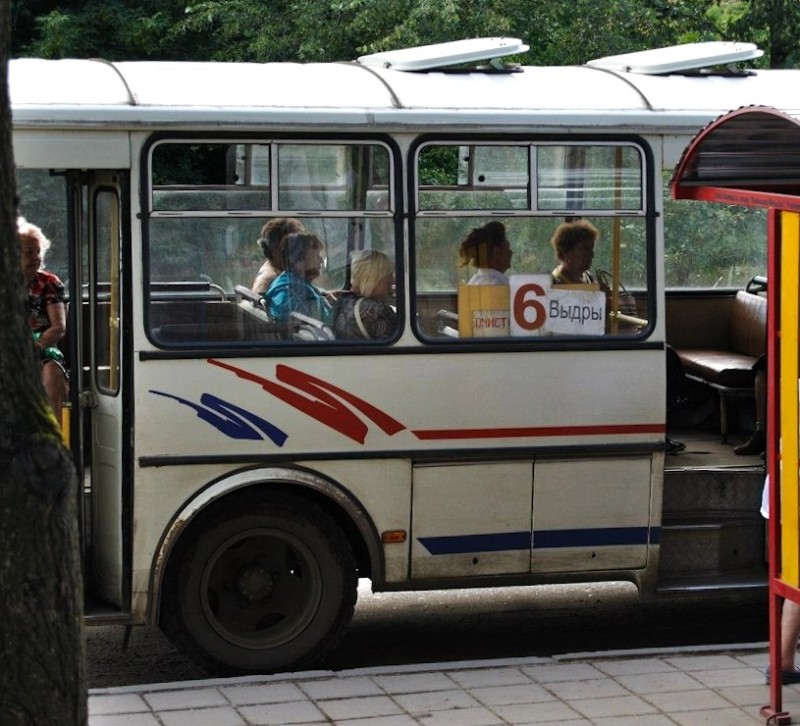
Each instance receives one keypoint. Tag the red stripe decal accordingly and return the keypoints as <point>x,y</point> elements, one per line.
<point>322,401</point>
<point>538,432</point>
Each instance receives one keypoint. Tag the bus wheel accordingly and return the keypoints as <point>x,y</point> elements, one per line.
<point>260,585</point>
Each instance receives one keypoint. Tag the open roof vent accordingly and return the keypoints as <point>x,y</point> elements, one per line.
<point>679,58</point>
<point>447,55</point>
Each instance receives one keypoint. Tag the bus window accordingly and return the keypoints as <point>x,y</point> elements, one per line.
<point>738,252</point>
<point>43,201</point>
<point>107,306</point>
<point>208,203</point>
<point>607,177</point>
<point>206,177</point>
<point>531,189</point>
<point>473,177</point>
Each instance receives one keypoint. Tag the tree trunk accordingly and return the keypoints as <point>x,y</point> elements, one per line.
<point>42,677</point>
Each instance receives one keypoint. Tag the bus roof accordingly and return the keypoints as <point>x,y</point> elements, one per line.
<point>95,93</point>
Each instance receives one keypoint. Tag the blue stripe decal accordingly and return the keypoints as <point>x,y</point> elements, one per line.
<point>550,539</point>
<point>607,537</point>
<point>477,543</point>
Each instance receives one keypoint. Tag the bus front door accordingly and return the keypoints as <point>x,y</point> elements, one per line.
<point>103,393</point>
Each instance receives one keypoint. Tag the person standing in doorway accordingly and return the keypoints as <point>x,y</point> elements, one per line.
<point>47,313</point>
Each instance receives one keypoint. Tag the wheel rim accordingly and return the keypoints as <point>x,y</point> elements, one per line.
<point>260,588</point>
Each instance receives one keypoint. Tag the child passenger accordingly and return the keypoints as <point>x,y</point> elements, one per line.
<point>291,291</point>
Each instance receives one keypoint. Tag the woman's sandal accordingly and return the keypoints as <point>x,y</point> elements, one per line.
<point>673,447</point>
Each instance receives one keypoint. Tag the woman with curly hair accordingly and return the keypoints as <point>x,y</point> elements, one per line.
<point>573,243</point>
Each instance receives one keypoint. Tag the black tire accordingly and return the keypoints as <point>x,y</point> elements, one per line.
<point>259,585</point>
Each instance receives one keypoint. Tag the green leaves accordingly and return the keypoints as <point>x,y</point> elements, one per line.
<point>559,33</point>
<point>110,29</point>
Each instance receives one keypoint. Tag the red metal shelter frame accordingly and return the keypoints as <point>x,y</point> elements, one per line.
<point>751,157</point>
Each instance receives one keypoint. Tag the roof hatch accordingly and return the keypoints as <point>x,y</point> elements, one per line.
<point>444,55</point>
<point>679,58</point>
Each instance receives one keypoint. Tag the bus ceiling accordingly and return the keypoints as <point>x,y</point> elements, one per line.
<point>749,156</point>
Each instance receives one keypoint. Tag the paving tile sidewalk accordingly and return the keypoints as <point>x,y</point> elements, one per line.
<point>721,685</point>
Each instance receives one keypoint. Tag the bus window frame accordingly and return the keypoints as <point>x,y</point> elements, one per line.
<point>650,211</point>
<point>394,214</point>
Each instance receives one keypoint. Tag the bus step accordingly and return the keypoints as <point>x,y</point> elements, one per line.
<point>697,491</point>
<point>750,580</point>
<point>711,545</point>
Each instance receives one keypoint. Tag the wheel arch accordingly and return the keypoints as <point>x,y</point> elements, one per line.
<point>345,509</point>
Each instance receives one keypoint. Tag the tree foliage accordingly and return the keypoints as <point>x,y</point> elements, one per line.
<point>566,32</point>
<point>110,29</point>
<point>772,24</point>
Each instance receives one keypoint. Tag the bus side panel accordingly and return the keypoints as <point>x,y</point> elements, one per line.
<point>471,519</point>
<point>71,149</point>
<point>591,514</point>
<point>450,405</point>
<point>382,487</point>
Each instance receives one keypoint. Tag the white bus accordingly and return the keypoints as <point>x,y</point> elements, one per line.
<point>240,474</point>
